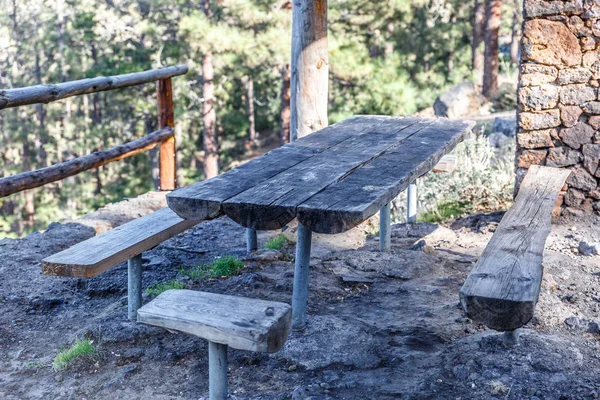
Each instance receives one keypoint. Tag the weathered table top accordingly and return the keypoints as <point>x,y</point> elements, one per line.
<point>331,180</point>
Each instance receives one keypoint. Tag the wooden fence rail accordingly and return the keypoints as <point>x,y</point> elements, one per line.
<point>48,93</point>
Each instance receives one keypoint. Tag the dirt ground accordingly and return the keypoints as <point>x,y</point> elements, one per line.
<point>381,326</point>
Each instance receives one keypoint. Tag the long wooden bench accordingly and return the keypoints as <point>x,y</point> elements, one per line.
<point>225,321</point>
<point>503,288</point>
<point>124,243</point>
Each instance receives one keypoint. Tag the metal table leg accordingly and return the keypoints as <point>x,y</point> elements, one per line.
<point>300,294</point>
<point>385,232</point>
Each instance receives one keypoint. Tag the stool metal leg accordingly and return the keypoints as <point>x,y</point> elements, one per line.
<point>217,371</point>
<point>300,294</point>
<point>134,286</point>
<point>511,338</point>
<point>385,232</point>
<point>411,209</point>
<point>251,240</point>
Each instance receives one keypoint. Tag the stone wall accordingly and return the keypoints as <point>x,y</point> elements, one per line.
<point>559,107</point>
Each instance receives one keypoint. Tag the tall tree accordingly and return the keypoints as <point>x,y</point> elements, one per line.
<point>492,28</point>
<point>514,38</point>
<point>211,156</point>
<point>310,68</point>
<point>284,111</point>
<point>478,33</point>
<point>249,85</point>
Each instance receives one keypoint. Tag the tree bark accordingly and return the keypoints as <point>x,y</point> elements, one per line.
<point>514,39</point>
<point>310,68</point>
<point>478,30</point>
<point>249,83</point>
<point>211,156</point>
<point>284,110</point>
<point>492,27</point>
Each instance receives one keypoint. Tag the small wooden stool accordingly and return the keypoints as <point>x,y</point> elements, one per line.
<point>238,322</point>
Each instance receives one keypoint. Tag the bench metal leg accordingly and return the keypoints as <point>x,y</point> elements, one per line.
<point>511,338</point>
<point>411,209</point>
<point>217,371</point>
<point>300,294</point>
<point>134,286</point>
<point>385,231</point>
<point>251,240</point>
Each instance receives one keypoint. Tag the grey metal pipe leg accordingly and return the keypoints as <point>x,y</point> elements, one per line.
<point>511,338</point>
<point>251,240</point>
<point>385,232</point>
<point>134,286</point>
<point>300,294</point>
<point>217,371</point>
<point>411,209</point>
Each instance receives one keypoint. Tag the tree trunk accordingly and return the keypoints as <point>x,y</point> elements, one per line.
<point>514,39</point>
<point>211,157</point>
<point>478,29</point>
<point>284,109</point>
<point>310,68</point>
<point>492,27</point>
<point>41,112</point>
<point>249,83</point>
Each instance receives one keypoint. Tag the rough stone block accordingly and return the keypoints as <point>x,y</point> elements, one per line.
<point>550,43</point>
<point>541,120</point>
<point>593,107</point>
<point>594,121</point>
<point>528,158</point>
<point>577,94</point>
<point>581,179</point>
<point>535,139</point>
<point>578,135</point>
<point>540,8</point>
<point>587,43</point>
<point>535,74</point>
<point>589,58</point>
<point>591,158</point>
<point>574,198</point>
<point>569,115</point>
<point>562,157</point>
<point>537,98</point>
<point>574,75</point>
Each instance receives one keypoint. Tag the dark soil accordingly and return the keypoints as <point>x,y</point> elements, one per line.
<point>381,326</point>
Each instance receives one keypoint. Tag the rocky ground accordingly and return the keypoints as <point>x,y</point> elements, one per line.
<point>381,326</point>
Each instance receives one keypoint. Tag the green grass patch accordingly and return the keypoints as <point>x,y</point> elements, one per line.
<point>78,349</point>
<point>277,242</point>
<point>160,287</point>
<point>223,266</point>
<point>445,210</point>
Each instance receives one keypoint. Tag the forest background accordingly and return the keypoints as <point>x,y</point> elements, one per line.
<point>390,57</point>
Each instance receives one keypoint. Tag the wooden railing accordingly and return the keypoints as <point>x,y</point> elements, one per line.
<point>47,93</point>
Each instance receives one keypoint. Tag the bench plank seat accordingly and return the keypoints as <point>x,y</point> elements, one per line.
<point>240,323</point>
<point>103,252</point>
<point>503,288</point>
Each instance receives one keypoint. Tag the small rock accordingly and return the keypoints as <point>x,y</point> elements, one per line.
<point>59,378</point>
<point>588,249</point>
<point>292,367</point>
<point>594,328</point>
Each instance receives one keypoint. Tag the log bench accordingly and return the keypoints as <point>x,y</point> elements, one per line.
<point>225,321</point>
<point>123,243</point>
<point>503,288</point>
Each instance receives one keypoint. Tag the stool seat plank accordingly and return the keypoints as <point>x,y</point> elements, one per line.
<point>241,323</point>
<point>101,253</point>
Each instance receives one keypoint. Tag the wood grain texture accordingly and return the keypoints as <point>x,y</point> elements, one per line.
<point>204,200</point>
<point>48,93</point>
<point>43,176</point>
<point>166,118</point>
<point>241,323</point>
<point>503,288</point>
<point>273,203</point>
<point>103,252</point>
<point>349,201</point>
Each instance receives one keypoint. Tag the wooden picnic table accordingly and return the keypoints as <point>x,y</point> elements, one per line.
<point>331,181</point>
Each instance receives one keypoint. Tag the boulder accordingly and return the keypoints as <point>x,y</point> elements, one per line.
<point>505,125</point>
<point>462,100</point>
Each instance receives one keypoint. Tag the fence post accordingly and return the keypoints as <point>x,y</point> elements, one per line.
<point>166,117</point>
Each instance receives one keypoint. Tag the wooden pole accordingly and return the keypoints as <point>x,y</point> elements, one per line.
<point>310,68</point>
<point>40,177</point>
<point>166,119</point>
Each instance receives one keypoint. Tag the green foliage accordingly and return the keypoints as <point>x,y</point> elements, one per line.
<point>277,242</point>
<point>445,210</point>
<point>220,267</point>
<point>78,349</point>
<point>160,287</point>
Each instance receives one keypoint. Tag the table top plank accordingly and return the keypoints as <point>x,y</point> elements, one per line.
<point>350,201</point>
<point>203,200</point>
<point>273,203</point>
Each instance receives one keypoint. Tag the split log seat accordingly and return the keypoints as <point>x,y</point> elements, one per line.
<point>225,321</point>
<point>503,288</point>
<point>123,243</point>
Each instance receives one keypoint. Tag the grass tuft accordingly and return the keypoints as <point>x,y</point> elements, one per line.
<point>160,287</point>
<point>277,242</point>
<point>223,266</point>
<point>78,349</point>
